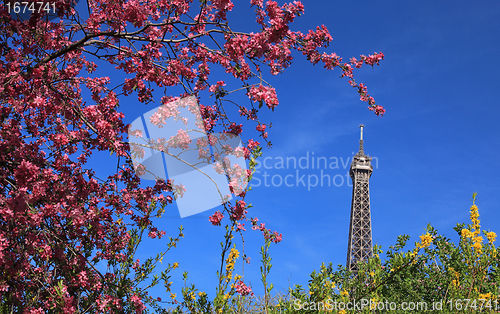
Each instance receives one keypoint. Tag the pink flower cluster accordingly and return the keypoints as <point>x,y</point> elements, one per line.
<point>264,94</point>
<point>379,110</point>
<point>210,116</point>
<point>243,289</point>
<point>252,144</point>
<point>217,87</point>
<point>235,129</point>
<point>216,218</point>
<point>261,128</point>
<point>181,140</point>
<point>139,306</point>
<point>370,60</point>
<point>274,236</point>
<point>238,211</point>
<point>240,226</point>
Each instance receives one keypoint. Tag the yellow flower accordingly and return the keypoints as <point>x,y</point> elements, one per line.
<point>392,269</point>
<point>466,233</point>
<point>201,293</point>
<point>372,273</point>
<point>491,236</point>
<point>310,292</point>
<point>175,265</point>
<point>342,312</point>
<point>425,241</point>
<point>474,216</point>
<point>474,212</point>
<point>344,293</point>
<point>455,274</point>
<point>233,254</point>
<point>173,295</point>
<point>478,240</point>
<point>485,296</point>
<point>226,296</point>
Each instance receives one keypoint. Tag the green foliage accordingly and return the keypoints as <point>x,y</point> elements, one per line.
<point>435,275</point>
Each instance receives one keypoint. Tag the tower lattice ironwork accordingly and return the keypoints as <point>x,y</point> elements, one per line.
<point>359,248</point>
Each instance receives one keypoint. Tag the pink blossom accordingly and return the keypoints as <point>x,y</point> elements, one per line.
<point>181,140</point>
<point>373,59</point>
<point>216,87</point>
<point>252,144</point>
<point>216,218</point>
<point>277,237</point>
<point>265,94</point>
<point>259,3</point>
<point>139,306</point>
<point>235,129</point>
<point>379,110</point>
<point>152,234</point>
<point>243,289</point>
<point>239,210</point>
<point>241,227</point>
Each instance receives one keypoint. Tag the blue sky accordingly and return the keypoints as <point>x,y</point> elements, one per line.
<point>435,146</point>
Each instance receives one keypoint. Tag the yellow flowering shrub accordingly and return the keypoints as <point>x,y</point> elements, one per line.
<point>436,269</point>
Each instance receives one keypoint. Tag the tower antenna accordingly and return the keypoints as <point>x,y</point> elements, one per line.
<point>361,126</point>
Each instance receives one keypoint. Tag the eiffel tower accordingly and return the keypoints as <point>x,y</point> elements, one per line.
<point>359,248</point>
